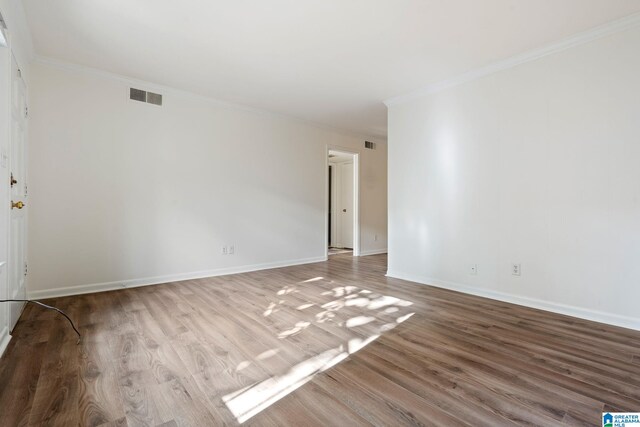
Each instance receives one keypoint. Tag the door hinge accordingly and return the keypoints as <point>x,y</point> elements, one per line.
<point>26,269</point>
<point>25,190</point>
<point>26,111</point>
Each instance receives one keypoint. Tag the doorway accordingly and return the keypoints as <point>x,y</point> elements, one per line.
<point>342,203</point>
<point>17,263</point>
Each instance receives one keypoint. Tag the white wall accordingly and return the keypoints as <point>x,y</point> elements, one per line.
<point>538,165</point>
<point>123,191</point>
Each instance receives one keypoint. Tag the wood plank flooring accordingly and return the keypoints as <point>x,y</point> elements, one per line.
<point>333,343</point>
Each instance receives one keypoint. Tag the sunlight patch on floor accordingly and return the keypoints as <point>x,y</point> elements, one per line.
<point>249,401</point>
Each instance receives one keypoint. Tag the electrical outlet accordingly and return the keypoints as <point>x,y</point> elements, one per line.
<point>473,270</point>
<point>231,250</point>
<point>515,269</point>
<point>224,250</point>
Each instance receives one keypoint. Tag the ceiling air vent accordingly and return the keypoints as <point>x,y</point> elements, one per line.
<point>144,96</point>
<point>370,145</point>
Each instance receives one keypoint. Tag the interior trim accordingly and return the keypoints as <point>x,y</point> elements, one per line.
<point>601,31</point>
<point>4,340</point>
<point>158,280</point>
<point>169,90</point>
<point>568,310</point>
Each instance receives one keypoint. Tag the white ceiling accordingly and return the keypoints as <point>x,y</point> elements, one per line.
<point>328,61</point>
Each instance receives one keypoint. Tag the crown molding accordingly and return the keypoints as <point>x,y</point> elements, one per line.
<point>584,37</point>
<point>155,87</point>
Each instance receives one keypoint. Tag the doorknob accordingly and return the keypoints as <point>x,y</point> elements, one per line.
<point>18,205</point>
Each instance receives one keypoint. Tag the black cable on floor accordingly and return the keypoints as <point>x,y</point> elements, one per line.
<point>48,307</point>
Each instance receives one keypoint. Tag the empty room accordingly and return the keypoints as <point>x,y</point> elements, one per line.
<point>319,213</point>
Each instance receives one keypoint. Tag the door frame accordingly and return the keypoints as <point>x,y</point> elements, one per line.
<point>5,196</point>
<point>11,166</point>
<point>356,196</point>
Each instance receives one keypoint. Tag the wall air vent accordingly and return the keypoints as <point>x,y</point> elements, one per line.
<point>144,96</point>
<point>154,98</point>
<point>137,95</point>
<point>370,145</point>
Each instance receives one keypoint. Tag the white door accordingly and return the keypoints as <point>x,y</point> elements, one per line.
<point>17,229</point>
<point>346,205</point>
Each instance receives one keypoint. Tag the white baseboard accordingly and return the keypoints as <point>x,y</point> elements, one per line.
<point>582,313</point>
<point>4,340</point>
<point>134,283</point>
<point>373,252</point>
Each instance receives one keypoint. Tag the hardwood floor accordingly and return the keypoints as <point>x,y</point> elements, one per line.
<point>334,343</point>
